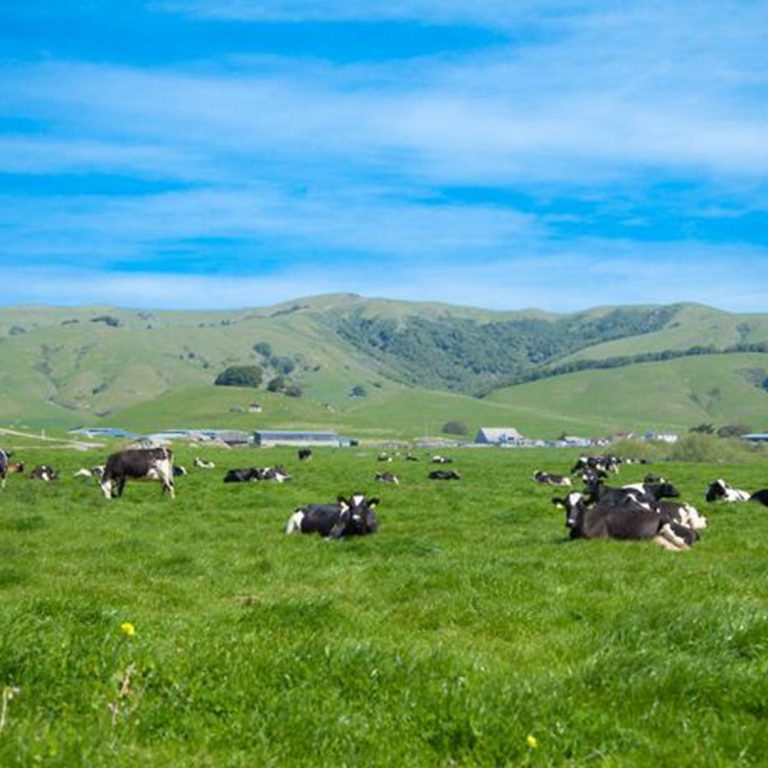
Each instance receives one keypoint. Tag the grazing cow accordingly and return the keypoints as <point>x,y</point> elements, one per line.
<point>203,464</point>
<point>540,476</point>
<point>441,460</point>
<point>721,491</point>
<point>6,468</point>
<point>138,464</point>
<point>44,472</point>
<point>444,474</point>
<point>622,519</point>
<point>348,517</point>
<point>97,471</point>
<point>305,454</point>
<point>387,477</point>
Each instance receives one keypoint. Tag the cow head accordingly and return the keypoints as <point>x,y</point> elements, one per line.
<point>716,490</point>
<point>574,506</point>
<point>357,517</point>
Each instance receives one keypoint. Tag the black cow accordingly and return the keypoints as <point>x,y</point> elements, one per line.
<point>540,476</point>
<point>138,464</point>
<point>444,474</point>
<point>348,517</point>
<point>305,454</point>
<point>44,472</point>
<point>760,496</point>
<point>409,457</point>
<point>622,518</point>
<point>241,475</point>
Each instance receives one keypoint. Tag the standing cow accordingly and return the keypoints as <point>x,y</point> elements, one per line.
<point>139,464</point>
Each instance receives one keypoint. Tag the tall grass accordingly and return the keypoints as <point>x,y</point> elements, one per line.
<point>468,631</point>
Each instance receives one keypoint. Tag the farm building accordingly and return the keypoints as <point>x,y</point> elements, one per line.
<point>285,437</point>
<point>756,437</point>
<point>497,436</point>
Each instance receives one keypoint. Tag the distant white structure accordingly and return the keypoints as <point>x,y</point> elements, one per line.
<point>255,408</point>
<point>497,436</point>
<point>662,437</point>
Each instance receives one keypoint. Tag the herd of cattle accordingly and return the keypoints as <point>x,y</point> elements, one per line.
<point>635,511</point>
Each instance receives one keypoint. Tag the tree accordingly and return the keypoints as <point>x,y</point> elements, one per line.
<point>240,376</point>
<point>262,348</point>
<point>293,390</point>
<point>277,384</point>
<point>734,430</point>
<point>455,428</point>
<point>358,391</point>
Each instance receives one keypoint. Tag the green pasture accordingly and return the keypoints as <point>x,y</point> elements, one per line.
<point>468,631</point>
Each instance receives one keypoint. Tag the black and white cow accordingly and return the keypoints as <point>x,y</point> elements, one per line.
<point>384,457</point>
<point>348,517</point>
<point>441,460</point>
<point>179,470</point>
<point>622,518</point>
<point>760,496</point>
<point>444,474</point>
<point>203,464</point>
<point>410,457</point>
<point>257,474</point>
<point>721,491</point>
<point>642,493</point>
<point>600,464</point>
<point>97,471</point>
<point>548,478</point>
<point>387,477</point>
<point>44,472</point>
<point>138,464</point>
<point>304,454</point>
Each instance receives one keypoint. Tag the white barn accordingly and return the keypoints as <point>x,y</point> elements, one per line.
<point>497,436</point>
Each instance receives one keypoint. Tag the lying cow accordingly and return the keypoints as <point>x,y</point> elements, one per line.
<point>44,472</point>
<point>348,517</point>
<point>721,491</point>
<point>97,471</point>
<point>387,477</point>
<point>441,460</point>
<point>540,476</point>
<point>138,464</point>
<point>256,474</point>
<point>602,464</point>
<point>444,474</point>
<point>623,518</point>
<point>203,464</point>
<point>304,454</point>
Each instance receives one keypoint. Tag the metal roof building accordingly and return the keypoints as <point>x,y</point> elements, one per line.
<point>266,437</point>
<point>497,435</point>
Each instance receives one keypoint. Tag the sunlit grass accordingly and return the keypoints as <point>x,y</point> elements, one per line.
<point>468,631</point>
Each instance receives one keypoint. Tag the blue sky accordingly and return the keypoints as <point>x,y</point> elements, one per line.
<point>225,153</point>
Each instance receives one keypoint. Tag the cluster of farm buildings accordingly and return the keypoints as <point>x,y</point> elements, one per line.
<point>508,437</point>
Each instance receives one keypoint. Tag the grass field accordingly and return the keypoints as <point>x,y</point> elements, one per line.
<point>467,631</point>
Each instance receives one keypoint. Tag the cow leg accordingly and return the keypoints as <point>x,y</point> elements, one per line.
<point>106,488</point>
<point>120,486</point>
<point>168,487</point>
<point>670,536</point>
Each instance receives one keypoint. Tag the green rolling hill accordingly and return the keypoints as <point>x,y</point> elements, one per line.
<point>418,366</point>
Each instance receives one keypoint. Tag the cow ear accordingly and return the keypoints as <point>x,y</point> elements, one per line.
<point>373,502</point>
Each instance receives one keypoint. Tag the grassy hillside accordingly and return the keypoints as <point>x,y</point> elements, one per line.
<point>669,395</point>
<point>148,369</point>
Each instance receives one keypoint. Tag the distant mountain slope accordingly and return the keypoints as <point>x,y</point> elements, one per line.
<point>69,366</point>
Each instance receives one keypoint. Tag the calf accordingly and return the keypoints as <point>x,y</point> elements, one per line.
<point>348,517</point>
<point>386,477</point>
<point>138,464</point>
<point>444,474</point>
<point>540,476</point>
<point>203,464</point>
<point>622,519</point>
<point>721,491</point>
<point>44,472</point>
<point>304,454</point>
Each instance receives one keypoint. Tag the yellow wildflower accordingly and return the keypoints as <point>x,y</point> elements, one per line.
<point>128,628</point>
<point>532,741</point>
